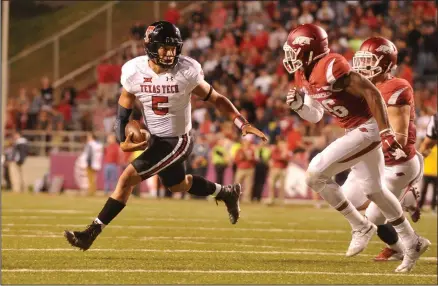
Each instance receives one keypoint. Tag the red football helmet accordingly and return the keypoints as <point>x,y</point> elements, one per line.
<point>305,44</point>
<point>376,55</point>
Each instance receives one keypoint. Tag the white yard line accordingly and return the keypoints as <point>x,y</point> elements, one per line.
<point>269,252</point>
<point>288,230</point>
<point>48,234</point>
<point>220,272</point>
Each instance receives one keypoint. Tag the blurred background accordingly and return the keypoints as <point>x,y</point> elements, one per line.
<point>65,59</point>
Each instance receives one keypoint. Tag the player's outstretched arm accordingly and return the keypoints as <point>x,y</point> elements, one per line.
<point>207,93</point>
<point>356,84</point>
<point>426,146</point>
<point>431,138</point>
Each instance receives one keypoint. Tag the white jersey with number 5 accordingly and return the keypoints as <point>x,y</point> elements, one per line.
<point>165,97</point>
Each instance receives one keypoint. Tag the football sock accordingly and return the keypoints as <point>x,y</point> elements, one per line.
<point>354,217</point>
<point>110,210</point>
<point>405,232</point>
<point>203,187</point>
<point>398,246</point>
<point>334,197</point>
<point>392,210</point>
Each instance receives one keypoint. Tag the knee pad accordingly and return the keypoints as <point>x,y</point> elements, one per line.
<point>370,188</point>
<point>387,234</point>
<point>316,181</point>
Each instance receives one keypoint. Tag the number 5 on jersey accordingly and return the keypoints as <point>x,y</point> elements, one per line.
<point>156,100</point>
<point>338,110</point>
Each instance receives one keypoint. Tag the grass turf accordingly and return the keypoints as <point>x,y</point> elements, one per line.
<point>192,242</point>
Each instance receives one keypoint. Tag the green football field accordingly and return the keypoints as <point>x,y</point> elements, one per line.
<point>192,242</point>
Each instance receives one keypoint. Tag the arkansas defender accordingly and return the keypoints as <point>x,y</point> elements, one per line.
<point>163,81</point>
<point>375,59</point>
<point>325,82</point>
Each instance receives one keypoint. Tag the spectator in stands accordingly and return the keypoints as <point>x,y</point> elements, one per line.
<point>263,154</point>
<point>111,161</point>
<point>325,14</point>
<point>245,167</point>
<point>277,175</point>
<point>218,17</point>
<point>34,109</point>
<point>23,105</point>
<point>199,160</point>
<point>19,155</point>
<point>47,91</point>
<point>65,108</point>
<point>220,159</point>
<point>137,31</point>
<point>108,76</point>
<point>6,160</point>
<point>172,14</point>
<point>94,153</point>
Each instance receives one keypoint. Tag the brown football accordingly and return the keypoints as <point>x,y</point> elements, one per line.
<point>134,126</point>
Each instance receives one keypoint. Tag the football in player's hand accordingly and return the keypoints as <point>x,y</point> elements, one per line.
<point>140,134</point>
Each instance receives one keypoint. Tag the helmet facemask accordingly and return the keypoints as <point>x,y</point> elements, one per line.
<point>291,62</point>
<point>163,61</point>
<point>367,64</point>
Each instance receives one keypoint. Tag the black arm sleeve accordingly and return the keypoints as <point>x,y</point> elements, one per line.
<point>431,130</point>
<point>121,121</point>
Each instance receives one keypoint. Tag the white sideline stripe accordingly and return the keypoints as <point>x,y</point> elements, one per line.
<point>130,219</point>
<point>270,252</point>
<point>187,228</point>
<point>219,271</point>
<point>44,211</point>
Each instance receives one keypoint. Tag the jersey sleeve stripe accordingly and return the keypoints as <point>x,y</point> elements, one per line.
<point>329,74</point>
<point>395,95</point>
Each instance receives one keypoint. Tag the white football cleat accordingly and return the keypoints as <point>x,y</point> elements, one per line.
<point>360,239</point>
<point>412,254</point>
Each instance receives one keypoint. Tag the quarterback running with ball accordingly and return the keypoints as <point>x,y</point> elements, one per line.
<point>163,81</point>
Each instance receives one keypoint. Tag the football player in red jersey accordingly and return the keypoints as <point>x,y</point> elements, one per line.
<point>325,81</point>
<point>375,59</point>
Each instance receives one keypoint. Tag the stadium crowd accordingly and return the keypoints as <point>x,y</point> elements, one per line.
<point>239,45</point>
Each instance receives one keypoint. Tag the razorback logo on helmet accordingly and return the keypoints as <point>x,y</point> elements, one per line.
<point>302,40</point>
<point>148,31</point>
<point>385,49</point>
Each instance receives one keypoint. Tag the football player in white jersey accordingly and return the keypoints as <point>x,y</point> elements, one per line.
<point>163,81</point>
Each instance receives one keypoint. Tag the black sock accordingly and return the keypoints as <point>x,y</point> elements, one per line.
<point>202,187</point>
<point>110,210</point>
<point>387,233</point>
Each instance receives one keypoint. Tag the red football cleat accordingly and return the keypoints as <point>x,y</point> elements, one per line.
<point>388,254</point>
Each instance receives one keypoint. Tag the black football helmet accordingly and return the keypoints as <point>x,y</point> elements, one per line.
<point>162,33</point>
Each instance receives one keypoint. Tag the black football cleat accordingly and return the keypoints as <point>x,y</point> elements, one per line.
<point>83,239</point>
<point>230,196</point>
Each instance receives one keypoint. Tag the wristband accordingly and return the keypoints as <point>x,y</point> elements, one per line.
<point>240,121</point>
<point>385,130</point>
